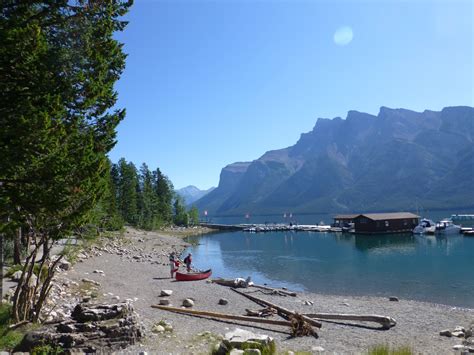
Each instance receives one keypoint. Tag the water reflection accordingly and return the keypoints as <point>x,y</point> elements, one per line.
<point>426,268</point>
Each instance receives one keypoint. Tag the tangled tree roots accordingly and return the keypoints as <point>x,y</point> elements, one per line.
<point>300,328</point>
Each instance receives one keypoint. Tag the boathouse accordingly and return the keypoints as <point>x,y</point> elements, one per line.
<point>343,220</point>
<point>397,222</point>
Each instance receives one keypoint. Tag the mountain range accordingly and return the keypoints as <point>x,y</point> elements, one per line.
<point>398,160</point>
<point>191,194</point>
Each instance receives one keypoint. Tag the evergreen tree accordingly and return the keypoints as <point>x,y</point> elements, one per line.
<point>58,64</point>
<point>148,210</point>
<point>180,217</point>
<point>127,192</point>
<point>164,192</point>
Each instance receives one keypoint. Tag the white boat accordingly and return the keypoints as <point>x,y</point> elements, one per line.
<point>426,226</point>
<point>446,226</point>
<point>465,220</point>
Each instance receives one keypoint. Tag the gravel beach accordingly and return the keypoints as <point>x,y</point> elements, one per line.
<point>136,268</point>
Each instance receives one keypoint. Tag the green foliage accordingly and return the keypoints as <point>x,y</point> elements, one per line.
<point>47,350</point>
<point>143,199</point>
<point>58,63</point>
<point>386,350</point>
<point>9,339</point>
<point>181,217</point>
<point>193,216</point>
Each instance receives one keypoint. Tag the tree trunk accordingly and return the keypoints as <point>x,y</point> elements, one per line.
<point>17,247</point>
<point>1,266</point>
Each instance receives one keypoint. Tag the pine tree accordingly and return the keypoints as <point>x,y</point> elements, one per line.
<point>180,217</point>
<point>164,192</point>
<point>148,210</point>
<point>127,192</point>
<point>58,64</point>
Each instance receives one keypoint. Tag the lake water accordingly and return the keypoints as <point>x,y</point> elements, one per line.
<point>427,268</point>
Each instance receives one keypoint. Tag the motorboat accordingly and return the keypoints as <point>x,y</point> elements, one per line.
<point>426,226</point>
<point>446,226</point>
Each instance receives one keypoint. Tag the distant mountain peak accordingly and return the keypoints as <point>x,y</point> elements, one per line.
<point>191,193</point>
<point>364,162</point>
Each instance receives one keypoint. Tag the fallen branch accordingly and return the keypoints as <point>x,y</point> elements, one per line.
<point>222,315</point>
<point>386,322</point>
<point>265,312</point>
<point>275,290</point>
<point>281,310</point>
<point>232,283</point>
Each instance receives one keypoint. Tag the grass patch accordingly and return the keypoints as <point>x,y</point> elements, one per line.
<point>386,350</point>
<point>47,350</point>
<point>9,339</point>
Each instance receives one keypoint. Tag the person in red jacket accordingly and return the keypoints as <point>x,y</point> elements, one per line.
<point>174,264</point>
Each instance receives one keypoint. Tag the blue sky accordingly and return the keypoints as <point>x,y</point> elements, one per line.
<point>209,83</point>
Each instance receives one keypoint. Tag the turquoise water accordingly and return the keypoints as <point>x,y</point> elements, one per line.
<point>435,269</point>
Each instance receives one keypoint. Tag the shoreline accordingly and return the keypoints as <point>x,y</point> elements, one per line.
<point>142,272</point>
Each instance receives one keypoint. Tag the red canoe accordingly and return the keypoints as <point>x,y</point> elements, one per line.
<point>192,276</point>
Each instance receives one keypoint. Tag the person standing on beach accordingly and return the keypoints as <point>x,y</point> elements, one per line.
<point>188,260</point>
<point>174,264</point>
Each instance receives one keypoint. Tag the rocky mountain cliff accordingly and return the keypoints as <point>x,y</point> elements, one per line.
<point>397,160</point>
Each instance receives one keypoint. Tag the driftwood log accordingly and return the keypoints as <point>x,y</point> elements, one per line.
<point>282,311</point>
<point>282,292</point>
<point>223,315</point>
<point>386,322</point>
<point>231,283</point>
<point>265,312</point>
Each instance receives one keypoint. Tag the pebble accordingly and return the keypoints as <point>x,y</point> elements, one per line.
<point>317,348</point>
<point>165,302</point>
<point>165,293</point>
<point>188,302</point>
<point>158,329</point>
<point>446,333</point>
<point>223,301</point>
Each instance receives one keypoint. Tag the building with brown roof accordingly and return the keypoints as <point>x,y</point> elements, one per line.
<point>397,222</point>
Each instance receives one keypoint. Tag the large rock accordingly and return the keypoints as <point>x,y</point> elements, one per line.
<point>166,293</point>
<point>64,265</point>
<point>93,328</point>
<point>239,336</point>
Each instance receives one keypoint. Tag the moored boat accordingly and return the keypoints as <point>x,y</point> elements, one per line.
<point>426,226</point>
<point>446,226</point>
<point>193,276</point>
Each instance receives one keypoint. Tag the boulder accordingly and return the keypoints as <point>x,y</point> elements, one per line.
<point>188,302</point>
<point>319,349</point>
<point>239,336</point>
<point>223,301</point>
<point>166,293</point>
<point>236,352</point>
<point>64,265</point>
<point>393,299</point>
